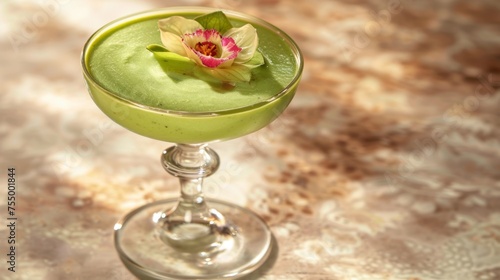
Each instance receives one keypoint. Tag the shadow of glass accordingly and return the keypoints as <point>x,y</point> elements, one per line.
<point>268,264</point>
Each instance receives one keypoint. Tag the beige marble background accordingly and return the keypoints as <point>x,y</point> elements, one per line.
<point>385,166</point>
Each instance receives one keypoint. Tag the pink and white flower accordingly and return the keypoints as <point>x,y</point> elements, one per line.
<point>226,57</point>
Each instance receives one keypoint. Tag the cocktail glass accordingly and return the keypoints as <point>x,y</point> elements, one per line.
<point>191,237</point>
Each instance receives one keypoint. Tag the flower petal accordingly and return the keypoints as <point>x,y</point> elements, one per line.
<point>178,25</point>
<point>213,62</point>
<point>229,48</point>
<point>189,42</point>
<point>173,28</point>
<point>192,54</point>
<point>172,43</point>
<point>246,38</point>
<point>200,36</point>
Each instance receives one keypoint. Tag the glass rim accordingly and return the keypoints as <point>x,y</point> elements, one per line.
<point>186,9</point>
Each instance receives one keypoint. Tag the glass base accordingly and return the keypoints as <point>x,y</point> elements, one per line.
<point>235,254</point>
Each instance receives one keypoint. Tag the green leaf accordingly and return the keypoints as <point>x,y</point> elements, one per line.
<point>235,73</point>
<point>156,48</point>
<point>256,61</point>
<point>216,20</point>
<point>171,62</point>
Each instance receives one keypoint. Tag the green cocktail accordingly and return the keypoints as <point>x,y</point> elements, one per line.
<point>185,238</point>
<point>130,86</point>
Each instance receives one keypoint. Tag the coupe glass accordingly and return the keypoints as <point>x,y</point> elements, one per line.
<point>190,237</point>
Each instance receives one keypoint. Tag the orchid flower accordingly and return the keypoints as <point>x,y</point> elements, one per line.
<point>227,56</point>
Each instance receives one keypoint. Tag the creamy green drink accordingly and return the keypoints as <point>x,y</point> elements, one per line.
<point>129,84</point>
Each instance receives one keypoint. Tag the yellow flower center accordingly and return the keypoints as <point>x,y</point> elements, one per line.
<point>206,48</point>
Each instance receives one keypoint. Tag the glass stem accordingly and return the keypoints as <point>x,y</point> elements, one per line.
<point>191,192</point>
<point>191,226</point>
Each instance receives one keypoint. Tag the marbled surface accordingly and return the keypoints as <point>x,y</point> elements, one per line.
<point>385,166</point>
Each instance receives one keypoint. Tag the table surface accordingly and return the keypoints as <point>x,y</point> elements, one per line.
<point>385,166</point>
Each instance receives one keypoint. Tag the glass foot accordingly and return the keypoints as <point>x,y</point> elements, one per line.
<point>234,252</point>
